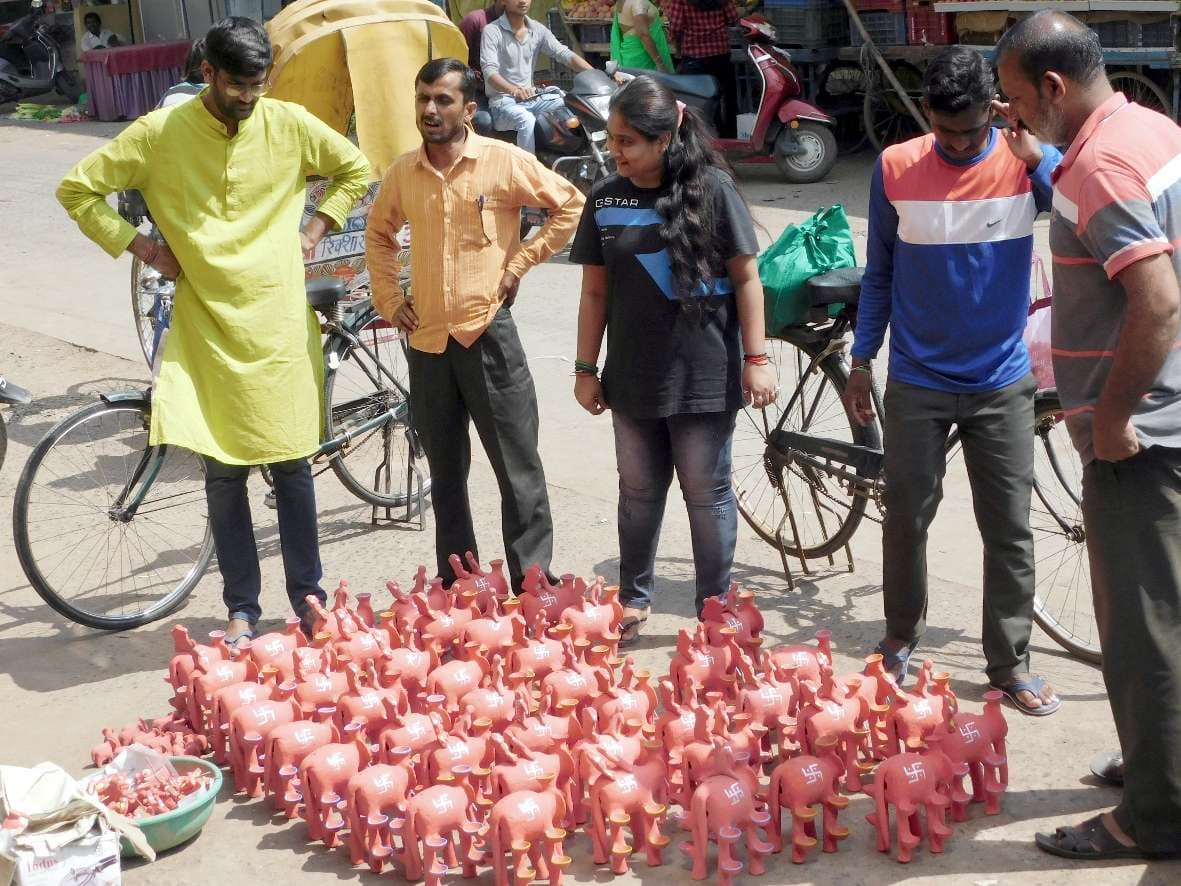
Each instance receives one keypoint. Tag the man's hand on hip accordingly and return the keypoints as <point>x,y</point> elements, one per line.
<point>405,318</point>
<point>1114,440</point>
<point>310,237</point>
<point>506,292</point>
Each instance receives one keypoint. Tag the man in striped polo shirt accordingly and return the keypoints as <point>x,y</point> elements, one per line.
<point>1117,216</point>
<point>950,249</point>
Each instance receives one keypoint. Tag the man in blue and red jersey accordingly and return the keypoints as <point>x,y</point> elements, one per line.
<point>950,249</point>
<point>1117,362</point>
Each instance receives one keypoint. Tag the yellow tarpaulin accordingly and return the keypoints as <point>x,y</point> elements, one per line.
<point>340,57</point>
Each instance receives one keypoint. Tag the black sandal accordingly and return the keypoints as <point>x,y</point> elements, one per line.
<point>629,629</point>
<point>1089,841</point>
<point>896,662</point>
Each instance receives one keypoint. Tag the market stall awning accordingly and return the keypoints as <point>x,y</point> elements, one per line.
<point>337,57</point>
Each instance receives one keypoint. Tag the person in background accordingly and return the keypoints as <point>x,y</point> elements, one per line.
<point>949,256</point>
<point>241,378</point>
<point>96,36</point>
<point>1117,364</point>
<point>462,195</point>
<point>637,37</point>
<point>700,30</point>
<point>668,252</point>
<point>472,27</point>
<point>508,52</point>
<point>194,80</point>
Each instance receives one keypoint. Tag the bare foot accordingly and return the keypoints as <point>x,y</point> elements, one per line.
<point>1047,696</point>
<point>1116,831</point>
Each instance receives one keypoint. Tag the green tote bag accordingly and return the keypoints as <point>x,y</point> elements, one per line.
<point>822,243</point>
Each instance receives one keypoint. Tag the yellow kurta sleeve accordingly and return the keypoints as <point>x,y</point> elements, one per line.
<point>534,185</point>
<point>329,154</point>
<point>381,246</point>
<point>120,165</point>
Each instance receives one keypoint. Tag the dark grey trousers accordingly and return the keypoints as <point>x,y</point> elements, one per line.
<point>996,432</point>
<point>488,384</point>
<point>1132,514</point>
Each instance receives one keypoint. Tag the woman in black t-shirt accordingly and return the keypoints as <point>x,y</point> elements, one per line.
<point>668,249</point>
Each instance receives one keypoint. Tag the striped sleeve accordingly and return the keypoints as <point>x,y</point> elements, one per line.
<point>1117,221</point>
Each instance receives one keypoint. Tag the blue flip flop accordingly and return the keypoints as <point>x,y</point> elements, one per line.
<point>896,663</point>
<point>1027,683</point>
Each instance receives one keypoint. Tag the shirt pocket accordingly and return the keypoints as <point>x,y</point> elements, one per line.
<point>479,217</point>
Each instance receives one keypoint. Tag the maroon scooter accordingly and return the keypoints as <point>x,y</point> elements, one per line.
<point>794,134</point>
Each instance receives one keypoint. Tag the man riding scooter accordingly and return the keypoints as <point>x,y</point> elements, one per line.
<point>509,48</point>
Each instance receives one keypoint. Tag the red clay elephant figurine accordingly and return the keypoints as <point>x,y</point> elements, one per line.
<point>725,807</point>
<point>800,783</point>
<point>622,796</point>
<point>909,781</point>
<point>529,824</point>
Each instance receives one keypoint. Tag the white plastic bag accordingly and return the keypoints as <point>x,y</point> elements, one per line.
<point>1037,328</point>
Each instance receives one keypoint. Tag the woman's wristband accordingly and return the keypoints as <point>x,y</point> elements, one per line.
<point>581,367</point>
<point>756,359</point>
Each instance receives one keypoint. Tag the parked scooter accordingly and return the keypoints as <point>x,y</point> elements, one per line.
<point>12,395</point>
<point>795,134</point>
<point>31,61</point>
<point>570,139</point>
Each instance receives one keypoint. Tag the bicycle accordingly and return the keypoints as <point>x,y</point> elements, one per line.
<point>114,534</point>
<point>805,473</point>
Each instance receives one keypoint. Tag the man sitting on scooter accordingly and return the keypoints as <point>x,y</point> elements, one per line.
<point>509,48</point>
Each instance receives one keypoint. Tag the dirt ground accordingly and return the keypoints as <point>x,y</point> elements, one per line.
<point>66,335</point>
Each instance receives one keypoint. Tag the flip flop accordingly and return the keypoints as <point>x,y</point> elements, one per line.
<point>629,629</point>
<point>1027,683</point>
<point>896,663</point>
<point>1089,841</point>
<point>1108,767</point>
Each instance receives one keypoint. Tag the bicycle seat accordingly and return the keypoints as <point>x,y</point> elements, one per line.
<point>842,286</point>
<point>324,292</point>
<point>698,85</point>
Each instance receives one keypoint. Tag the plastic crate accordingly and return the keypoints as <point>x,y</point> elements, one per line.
<point>879,6</point>
<point>884,28</point>
<point>591,32</point>
<point>925,26</point>
<point>1129,34</point>
<point>809,26</point>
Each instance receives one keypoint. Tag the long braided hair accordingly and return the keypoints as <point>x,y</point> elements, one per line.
<point>650,108</point>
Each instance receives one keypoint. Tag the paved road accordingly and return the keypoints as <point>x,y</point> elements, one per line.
<point>66,334</point>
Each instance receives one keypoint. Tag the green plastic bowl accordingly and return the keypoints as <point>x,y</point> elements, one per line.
<point>173,828</point>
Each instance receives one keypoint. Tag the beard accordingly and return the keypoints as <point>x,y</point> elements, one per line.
<point>441,133</point>
<point>1049,125</point>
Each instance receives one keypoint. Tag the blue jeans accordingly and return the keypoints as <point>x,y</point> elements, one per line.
<point>698,445</point>
<point>509,114</point>
<point>233,535</point>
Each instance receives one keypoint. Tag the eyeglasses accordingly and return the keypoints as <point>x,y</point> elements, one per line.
<point>251,91</point>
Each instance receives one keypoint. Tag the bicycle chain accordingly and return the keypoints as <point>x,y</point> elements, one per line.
<point>776,481</point>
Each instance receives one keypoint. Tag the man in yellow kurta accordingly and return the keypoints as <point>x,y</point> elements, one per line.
<point>241,377</point>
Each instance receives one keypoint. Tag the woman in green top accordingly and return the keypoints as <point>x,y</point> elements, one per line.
<point>637,37</point>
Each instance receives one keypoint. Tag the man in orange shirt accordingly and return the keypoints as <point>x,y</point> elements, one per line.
<point>462,195</point>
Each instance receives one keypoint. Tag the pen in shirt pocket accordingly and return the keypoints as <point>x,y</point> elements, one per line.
<point>480,203</point>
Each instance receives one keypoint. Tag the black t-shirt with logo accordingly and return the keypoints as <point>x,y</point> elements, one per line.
<point>666,355</point>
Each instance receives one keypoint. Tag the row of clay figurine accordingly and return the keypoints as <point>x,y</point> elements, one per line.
<point>506,721</point>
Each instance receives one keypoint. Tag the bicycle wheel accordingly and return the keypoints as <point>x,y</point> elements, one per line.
<point>93,560</point>
<point>886,118</point>
<point>359,385</point>
<point>151,302</point>
<point>1063,605</point>
<point>826,514</point>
